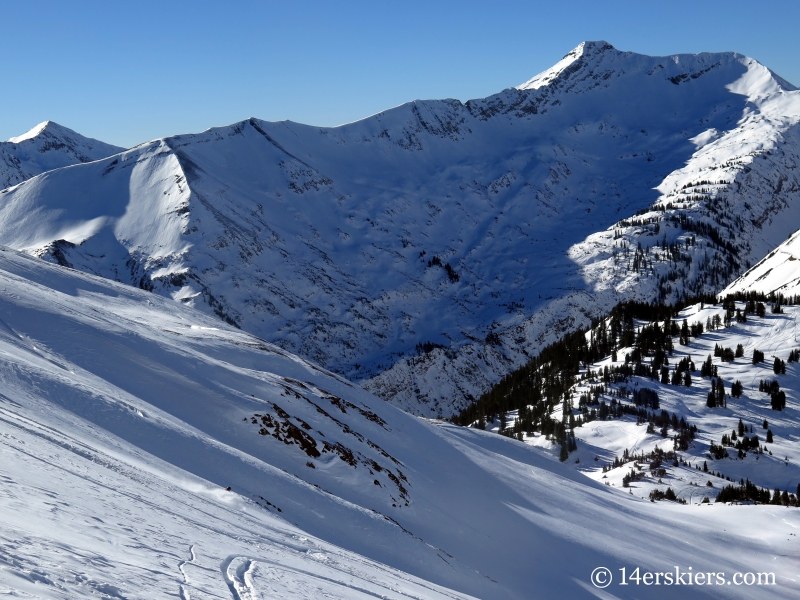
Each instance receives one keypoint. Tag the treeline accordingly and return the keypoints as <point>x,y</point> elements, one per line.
<point>747,491</point>
<point>545,382</point>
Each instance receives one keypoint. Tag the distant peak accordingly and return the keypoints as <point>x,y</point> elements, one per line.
<point>32,133</point>
<point>590,48</point>
<point>584,50</point>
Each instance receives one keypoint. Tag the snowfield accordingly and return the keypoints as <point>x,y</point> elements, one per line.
<point>429,249</point>
<point>125,416</point>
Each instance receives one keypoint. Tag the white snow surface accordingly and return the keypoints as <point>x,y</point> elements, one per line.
<point>45,147</point>
<point>600,441</point>
<point>30,134</point>
<point>124,416</point>
<point>778,272</point>
<point>322,240</point>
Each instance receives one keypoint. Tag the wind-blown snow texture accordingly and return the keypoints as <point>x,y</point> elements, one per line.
<point>124,416</point>
<point>486,228</point>
<point>45,147</point>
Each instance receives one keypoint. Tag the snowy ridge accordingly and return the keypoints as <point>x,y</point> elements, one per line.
<point>125,416</point>
<point>463,229</point>
<point>735,199</point>
<point>583,52</point>
<point>741,182</point>
<point>777,272</point>
<point>45,147</point>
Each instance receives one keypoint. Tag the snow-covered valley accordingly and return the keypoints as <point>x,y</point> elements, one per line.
<point>431,248</point>
<point>124,417</point>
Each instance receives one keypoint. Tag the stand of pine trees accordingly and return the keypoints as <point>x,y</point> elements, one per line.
<point>546,381</point>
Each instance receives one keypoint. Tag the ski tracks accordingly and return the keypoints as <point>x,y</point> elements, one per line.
<point>184,591</point>
<point>238,574</point>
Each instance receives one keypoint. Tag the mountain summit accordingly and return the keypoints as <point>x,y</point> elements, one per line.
<point>429,249</point>
<point>45,147</point>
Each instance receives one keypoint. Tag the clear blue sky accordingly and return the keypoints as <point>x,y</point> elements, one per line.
<point>127,72</point>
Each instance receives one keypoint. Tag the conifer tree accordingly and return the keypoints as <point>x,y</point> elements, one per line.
<point>564,455</point>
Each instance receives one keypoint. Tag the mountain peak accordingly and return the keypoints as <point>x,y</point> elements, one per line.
<point>51,128</point>
<point>584,50</point>
<point>47,146</point>
<point>30,134</point>
<point>590,48</point>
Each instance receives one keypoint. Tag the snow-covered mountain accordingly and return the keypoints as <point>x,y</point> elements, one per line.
<point>45,147</point>
<point>429,249</point>
<point>149,450</point>
<point>733,201</point>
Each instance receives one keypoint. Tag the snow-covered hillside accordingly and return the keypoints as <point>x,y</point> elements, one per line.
<point>776,273</point>
<point>45,147</point>
<point>427,250</point>
<point>125,416</point>
<point>770,457</point>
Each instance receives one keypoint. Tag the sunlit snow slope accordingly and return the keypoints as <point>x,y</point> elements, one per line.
<point>466,229</point>
<point>776,466</point>
<point>45,147</point>
<point>778,272</point>
<point>124,416</point>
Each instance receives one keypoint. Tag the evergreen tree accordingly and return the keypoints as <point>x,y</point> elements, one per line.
<point>769,436</point>
<point>778,400</point>
<point>707,368</point>
<point>711,399</point>
<point>778,367</point>
<point>684,338</point>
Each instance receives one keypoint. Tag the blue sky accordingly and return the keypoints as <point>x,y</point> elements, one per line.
<point>129,72</point>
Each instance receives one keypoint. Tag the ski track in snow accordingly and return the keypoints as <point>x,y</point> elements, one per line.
<point>184,592</point>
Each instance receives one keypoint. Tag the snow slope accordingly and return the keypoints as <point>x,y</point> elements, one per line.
<point>466,229</point>
<point>600,441</point>
<point>45,147</point>
<point>124,416</point>
<point>776,272</point>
